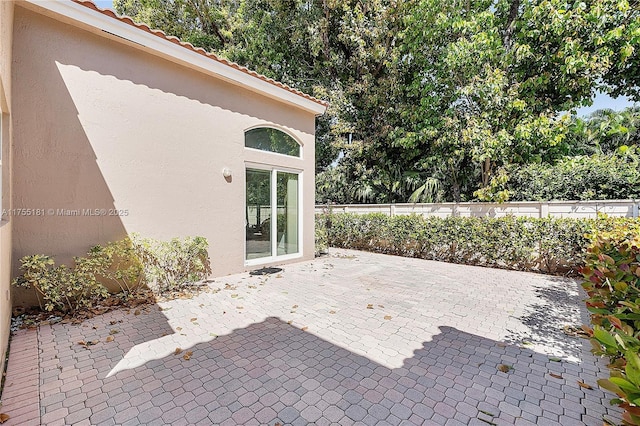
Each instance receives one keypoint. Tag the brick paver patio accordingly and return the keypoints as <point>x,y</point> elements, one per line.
<point>351,338</point>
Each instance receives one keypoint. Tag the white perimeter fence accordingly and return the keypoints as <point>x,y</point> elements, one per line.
<point>574,209</point>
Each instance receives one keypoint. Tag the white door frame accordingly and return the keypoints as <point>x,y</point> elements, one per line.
<point>274,214</point>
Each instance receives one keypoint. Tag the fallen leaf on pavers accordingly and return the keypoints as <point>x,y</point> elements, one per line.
<point>277,424</point>
<point>95,327</point>
<point>381,306</point>
<point>555,359</point>
<point>114,331</point>
<point>110,339</point>
<point>178,328</point>
<point>557,376</point>
<point>137,312</point>
<point>505,368</point>
<point>369,306</point>
<point>332,312</point>
<point>294,306</point>
<point>177,351</point>
<point>584,385</point>
<point>194,319</point>
<point>239,307</point>
<point>201,305</point>
<point>570,330</point>
<point>114,322</point>
<point>501,345</point>
<point>278,276</point>
<point>289,322</point>
<point>253,286</point>
<point>387,317</point>
<point>4,417</point>
<point>233,296</point>
<point>304,328</point>
<point>87,344</point>
<point>187,355</point>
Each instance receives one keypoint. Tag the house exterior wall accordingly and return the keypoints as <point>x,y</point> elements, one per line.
<point>101,124</point>
<point>6,41</point>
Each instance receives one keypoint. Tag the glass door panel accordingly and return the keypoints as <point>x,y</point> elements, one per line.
<point>258,214</point>
<point>287,219</point>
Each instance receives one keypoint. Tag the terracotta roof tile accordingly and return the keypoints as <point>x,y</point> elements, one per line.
<point>212,56</point>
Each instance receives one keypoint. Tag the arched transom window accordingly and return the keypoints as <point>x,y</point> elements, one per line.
<point>272,140</point>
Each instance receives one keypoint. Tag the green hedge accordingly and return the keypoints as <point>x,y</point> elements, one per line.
<point>551,245</point>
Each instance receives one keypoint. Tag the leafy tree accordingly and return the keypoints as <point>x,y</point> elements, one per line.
<point>490,78</point>
<point>204,23</point>
<point>604,131</point>
<point>623,78</point>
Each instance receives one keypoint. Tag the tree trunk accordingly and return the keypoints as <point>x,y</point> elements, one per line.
<point>507,38</point>
<point>456,192</point>
<point>486,172</point>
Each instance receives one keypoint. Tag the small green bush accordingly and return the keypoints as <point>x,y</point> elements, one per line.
<point>122,265</point>
<point>174,265</point>
<point>322,234</point>
<point>62,288</point>
<point>549,245</point>
<point>612,282</point>
<point>163,266</point>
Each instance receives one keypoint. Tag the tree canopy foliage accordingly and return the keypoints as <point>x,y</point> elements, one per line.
<point>429,100</point>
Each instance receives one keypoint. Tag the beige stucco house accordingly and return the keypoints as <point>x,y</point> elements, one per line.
<point>109,128</point>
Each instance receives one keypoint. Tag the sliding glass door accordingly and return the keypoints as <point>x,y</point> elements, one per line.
<point>272,214</point>
<point>258,214</point>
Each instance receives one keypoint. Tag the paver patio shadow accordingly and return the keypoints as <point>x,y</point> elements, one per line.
<point>272,372</point>
<point>543,318</point>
